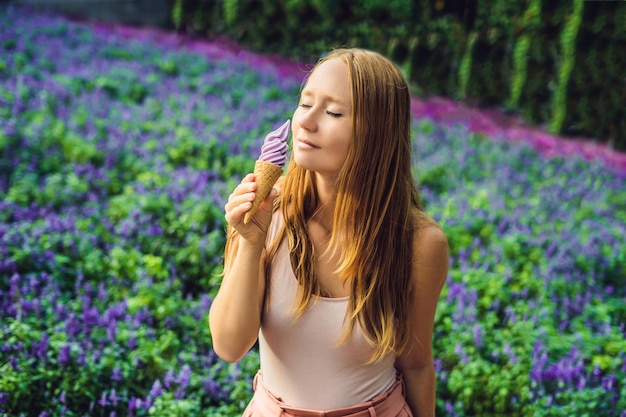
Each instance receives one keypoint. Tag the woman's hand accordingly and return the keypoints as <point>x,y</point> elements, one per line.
<point>240,202</point>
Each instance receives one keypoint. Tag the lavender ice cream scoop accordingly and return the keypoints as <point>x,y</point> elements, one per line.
<point>274,149</point>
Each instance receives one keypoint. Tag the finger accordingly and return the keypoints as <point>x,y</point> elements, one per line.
<point>234,216</point>
<point>235,201</point>
<point>247,179</point>
<point>244,188</point>
<point>235,198</point>
<point>241,189</point>
<point>239,201</point>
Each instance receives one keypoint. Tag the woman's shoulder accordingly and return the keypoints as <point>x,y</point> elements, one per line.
<point>430,244</point>
<point>424,224</point>
<point>428,230</point>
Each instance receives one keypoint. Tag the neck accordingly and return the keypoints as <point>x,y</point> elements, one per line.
<point>327,194</point>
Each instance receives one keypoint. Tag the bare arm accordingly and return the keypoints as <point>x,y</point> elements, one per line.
<point>235,314</point>
<point>430,269</point>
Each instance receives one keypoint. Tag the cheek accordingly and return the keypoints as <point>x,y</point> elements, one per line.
<point>339,152</point>
<point>343,143</point>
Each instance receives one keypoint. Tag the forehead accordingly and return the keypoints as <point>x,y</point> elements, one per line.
<point>330,78</point>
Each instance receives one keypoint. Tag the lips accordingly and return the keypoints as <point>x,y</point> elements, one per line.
<point>307,143</point>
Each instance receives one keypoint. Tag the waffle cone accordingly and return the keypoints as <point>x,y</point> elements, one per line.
<point>266,174</point>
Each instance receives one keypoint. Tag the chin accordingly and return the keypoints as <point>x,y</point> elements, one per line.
<point>314,165</point>
<point>301,162</point>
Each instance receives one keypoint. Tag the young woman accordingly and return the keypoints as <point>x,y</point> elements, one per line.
<point>339,273</point>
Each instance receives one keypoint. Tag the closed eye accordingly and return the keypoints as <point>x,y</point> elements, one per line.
<point>328,112</point>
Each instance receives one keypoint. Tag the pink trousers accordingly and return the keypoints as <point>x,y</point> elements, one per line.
<point>391,403</point>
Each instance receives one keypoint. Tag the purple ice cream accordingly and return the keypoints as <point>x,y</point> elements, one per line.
<point>274,149</point>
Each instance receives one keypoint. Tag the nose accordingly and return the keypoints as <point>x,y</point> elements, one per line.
<point>306,118</point>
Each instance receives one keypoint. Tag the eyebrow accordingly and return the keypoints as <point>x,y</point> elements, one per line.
<point>325,97</point>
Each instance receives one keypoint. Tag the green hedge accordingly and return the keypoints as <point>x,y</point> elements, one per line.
<point>559,65</point>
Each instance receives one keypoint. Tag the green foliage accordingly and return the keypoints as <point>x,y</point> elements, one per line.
<point>177,13</point>
<point>230,11</point>
<point>487,363</point>
<point>530,22</point>
<point>466,65</point>
<point>566,65</point>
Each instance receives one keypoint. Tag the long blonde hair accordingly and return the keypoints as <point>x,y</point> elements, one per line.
<point>377,208</point>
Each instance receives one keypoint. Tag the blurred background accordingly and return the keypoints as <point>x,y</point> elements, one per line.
<point>125,124</point>
<point>560,65</point>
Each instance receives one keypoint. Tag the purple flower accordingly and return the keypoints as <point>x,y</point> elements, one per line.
<point>156,390</point>
<point>14,361</point>
<point>608,383</point>
<point>184,375</point>
<point>459,351</point>
<point>113,397</point>
<point>111,330</point>
<point>183,381</point>
<point>132,404</point>
<point>65,354</point>
<point>132,342</point>
<point>91,318</point>
<point>116,374</point>
<point>40,349</point>
<point>103,399</point>
<point>14,282</point>
<point>170,379</point>
<point>477,331</point>
<point>72,326</point>
<point>147,403</point>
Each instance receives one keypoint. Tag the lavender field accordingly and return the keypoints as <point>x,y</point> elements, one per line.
<point>116,156</point>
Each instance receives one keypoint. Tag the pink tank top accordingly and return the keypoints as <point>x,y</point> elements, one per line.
<point>301,360</point>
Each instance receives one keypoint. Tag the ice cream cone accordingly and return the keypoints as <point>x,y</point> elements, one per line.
<point>266,174</point>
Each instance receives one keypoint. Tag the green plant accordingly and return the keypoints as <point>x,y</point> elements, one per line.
<point>530,22</point>
<point>566,65</point>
